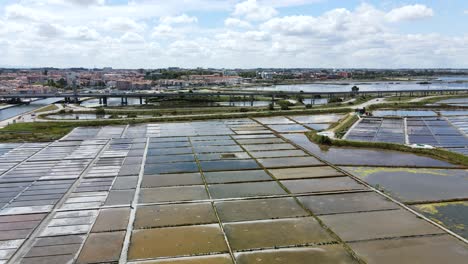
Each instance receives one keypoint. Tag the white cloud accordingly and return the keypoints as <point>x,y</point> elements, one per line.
<point>123,24</point>
<point>87,2</point>
<point>132,37</point>
<point>235,22</point>
<point>182,19</point>
<point>189,48</point>
<point>17,12</point>
<point>337,23</point>
<point>163,31</point>
<point>465,12</point>
<point>409,12</point>
<point>82,33</point>
<point>147,33</point>
<point>251,10</point>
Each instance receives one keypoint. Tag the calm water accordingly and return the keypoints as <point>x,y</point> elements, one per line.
<point>245,103</point>
<point>21,109</point>
<point>374,86</point>
<point>77,117</point>
<point>362,156</point>
<point>110,102</point>
<point>455,101</point>
<point>416,184</point>
<point>383,113</point>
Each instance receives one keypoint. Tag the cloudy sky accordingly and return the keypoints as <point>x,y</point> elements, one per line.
<point>234,33</point>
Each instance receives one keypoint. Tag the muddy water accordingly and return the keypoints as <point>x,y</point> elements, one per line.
<point>368,157</point>
<point>453,215</point>
<point>411,184</point>
<point>246,210</point>
<point>331,254</point>
<point>177,241</point>
<point>268,234</point>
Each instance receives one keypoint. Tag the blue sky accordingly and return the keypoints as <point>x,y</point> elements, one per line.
<point>234,33</point>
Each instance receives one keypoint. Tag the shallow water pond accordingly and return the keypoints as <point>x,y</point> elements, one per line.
<point>361,156</point>
<point>453,215</point>
<point>381,113</point>
<point>416,184</point>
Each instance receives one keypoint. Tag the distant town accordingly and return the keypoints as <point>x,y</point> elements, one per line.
<point>49,80</point>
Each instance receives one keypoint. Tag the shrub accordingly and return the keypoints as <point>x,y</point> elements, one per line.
<point>308,106</point>
<point>284,104</point>
<point>335,100</point>
<point>243,110</point>
<point>271,106</point>
<point>324,140</point>
<point>100,111</point>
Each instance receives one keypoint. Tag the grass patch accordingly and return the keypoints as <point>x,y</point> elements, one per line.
<point>413,105</point>
<point>49,131</point>
<point>34,132</point>
<point>343,126</point>
<point>399,98</point>
<point>440,154</point>
<point>48,108</point>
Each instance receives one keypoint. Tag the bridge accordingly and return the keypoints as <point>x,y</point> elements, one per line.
<point>247,94</point>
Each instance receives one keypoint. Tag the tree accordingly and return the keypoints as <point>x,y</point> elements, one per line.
<point>61,83</point>
<point>248,74</point>
<point>284,104</point>
<point>354,90</point>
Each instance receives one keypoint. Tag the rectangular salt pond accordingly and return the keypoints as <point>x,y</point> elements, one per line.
<point>383,113</point>
<point>368,157</point>
<point>416,184</point>
<point>261,202</point>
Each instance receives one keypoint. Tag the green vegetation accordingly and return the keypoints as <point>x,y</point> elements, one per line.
<point>49,131</point>
<point>335,100</point>
<point>285,104</point>
<point>48,108</point>
<point>248,74</point>
<point>100,111</point>
<point>174,74</point>
<point>441,154</point>
<point>399,98</point>
<point>341,127</point>
<point>413,105</point>
<point>35,132</point>
<point>62,83</point>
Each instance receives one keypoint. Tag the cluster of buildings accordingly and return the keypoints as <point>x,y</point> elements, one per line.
<point>49,80</point>
<point>304,75</point>
<point>201,80</point>
<point>53,80</point>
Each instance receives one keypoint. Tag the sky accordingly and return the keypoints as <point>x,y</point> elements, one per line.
<point>234,33</point>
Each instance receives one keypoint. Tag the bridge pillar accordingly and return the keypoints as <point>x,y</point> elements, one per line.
<point>104,101</point>
<point>251,100</point>
<point>141,100</point>
<point>100,101</point>
<point>121,101</point>
<point>273,99</point>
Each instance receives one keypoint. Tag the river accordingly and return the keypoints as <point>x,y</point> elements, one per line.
<point>21,109</point>
<point>364,86</point>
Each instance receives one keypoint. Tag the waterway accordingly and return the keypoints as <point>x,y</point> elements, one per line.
<point>110,102</point>
<point>363,86</point>
<point>21,109</point>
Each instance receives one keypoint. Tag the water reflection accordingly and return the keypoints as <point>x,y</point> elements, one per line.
<point>21,109</point>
